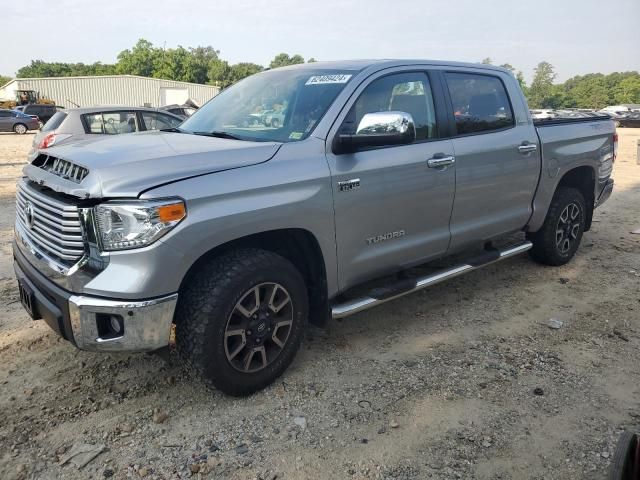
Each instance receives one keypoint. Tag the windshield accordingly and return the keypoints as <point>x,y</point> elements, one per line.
<point>278,105</point>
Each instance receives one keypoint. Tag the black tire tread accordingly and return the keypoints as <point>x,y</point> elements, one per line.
<point>207,292</point>
<point>544,247</point>
<point>625,451</point>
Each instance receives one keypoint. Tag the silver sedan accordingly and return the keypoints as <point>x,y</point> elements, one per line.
<point>75,124</point>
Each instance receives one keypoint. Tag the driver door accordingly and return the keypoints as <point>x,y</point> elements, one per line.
<point>392,205</point>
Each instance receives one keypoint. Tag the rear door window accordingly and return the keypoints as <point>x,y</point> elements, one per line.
<point>111,123</point>
<point>54,122</point>
<point>480,103</point>
<point>158,121</point>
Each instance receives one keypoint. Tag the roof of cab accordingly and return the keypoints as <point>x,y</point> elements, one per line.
<point>359,65</point>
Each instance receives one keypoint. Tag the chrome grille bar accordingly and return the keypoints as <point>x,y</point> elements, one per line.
<point>52,225</point>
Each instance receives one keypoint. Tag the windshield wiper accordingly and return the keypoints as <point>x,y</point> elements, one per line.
<point>172,129</point>
<point>218,134</point>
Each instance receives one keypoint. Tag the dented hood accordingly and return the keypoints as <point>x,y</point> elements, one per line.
<point>127,165</point>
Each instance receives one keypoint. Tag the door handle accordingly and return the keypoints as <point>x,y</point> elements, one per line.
<point>441,161</point>
<point>527,148</point>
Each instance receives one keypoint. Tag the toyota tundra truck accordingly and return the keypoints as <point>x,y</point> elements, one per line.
<point>231,236</point>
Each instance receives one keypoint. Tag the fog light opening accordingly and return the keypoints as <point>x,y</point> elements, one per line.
<point>109,326</point>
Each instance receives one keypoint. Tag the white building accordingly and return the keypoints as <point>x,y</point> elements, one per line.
<point>130,90</point>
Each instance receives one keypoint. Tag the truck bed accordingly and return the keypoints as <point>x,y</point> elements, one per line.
<point>561,121</point>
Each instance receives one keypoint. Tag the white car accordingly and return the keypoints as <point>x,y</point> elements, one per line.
<point>75,124</point>
<point>543,114</point>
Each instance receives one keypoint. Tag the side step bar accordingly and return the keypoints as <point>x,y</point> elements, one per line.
<point>404,287</point>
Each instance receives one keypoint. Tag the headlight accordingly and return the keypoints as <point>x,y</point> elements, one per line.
<point>125,224</point>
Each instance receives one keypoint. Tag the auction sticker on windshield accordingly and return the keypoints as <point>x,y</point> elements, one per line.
<point>324,79</point>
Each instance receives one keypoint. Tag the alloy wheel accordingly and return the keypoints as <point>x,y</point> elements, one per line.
<point>568,227</point>
<point>258,327</point>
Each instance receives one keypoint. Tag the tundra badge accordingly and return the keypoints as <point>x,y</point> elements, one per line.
<point>349,185</point>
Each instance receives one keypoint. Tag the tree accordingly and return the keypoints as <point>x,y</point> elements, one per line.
<point>542,93</point>
<point>312,60</point>
<point>244,69</point>
<point>283,59</point>
<point>4,79</point>
<point>486,61</point>
<point>142,59</point>
<point>219,73</point>
<point>519,75</point>
<point>628,90</point>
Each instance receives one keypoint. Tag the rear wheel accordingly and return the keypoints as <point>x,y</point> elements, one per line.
<point>20,128</point>
<point>240,320</point>
<point>559,238</point>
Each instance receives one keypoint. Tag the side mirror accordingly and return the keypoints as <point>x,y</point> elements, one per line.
<point>377,130</point>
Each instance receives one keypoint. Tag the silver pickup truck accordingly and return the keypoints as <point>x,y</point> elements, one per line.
<point>238,233</point>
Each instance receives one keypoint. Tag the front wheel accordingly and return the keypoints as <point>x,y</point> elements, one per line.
<point>240,320</point>
<point>559,238</point>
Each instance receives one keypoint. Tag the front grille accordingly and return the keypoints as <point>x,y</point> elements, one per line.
<point>61,168</point>
<point>50,224</point>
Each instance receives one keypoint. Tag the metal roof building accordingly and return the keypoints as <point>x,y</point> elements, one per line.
<point>129,90</point>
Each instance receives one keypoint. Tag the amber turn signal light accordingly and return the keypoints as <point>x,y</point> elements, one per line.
<point>171,213</point>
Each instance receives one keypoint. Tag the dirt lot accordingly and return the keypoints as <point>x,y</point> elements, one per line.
<point>465,380</point>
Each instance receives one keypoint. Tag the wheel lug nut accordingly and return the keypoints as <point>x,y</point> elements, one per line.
<point>248,332</point>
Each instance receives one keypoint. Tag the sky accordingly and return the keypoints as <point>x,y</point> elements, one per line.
<point>575,36</point>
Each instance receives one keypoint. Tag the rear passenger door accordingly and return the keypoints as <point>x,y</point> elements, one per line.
<point>495,178</point>
<point>392,205</point>
<point>6,120</point>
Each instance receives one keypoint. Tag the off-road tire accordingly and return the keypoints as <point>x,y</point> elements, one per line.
<point>545,248</point>
<point>20,128</point>
<point>206,303</point>
<point>623,463</point>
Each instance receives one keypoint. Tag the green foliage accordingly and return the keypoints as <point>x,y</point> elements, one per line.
<point>39,68</point>
<point>283,59</point>
<point>4,79</point>
<point>486,61</point>
<point>196,65</point>
<point>204,65</point>
<point>542,93</point>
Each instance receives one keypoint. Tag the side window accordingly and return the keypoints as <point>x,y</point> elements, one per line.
<point>5,114</point>
<point>480,102</point>
<point>111,123</point>
<point>158,121</point>
<point>403,92</point>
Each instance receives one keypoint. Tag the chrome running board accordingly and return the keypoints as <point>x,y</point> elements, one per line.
<point>404,287</point>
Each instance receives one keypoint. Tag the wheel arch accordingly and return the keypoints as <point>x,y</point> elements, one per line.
<point>297,245</point>
<point>582,178</point>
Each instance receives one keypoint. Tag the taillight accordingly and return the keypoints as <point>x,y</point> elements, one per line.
<point>51,138</point>
<point>47,140</point>
<point>615,146</point>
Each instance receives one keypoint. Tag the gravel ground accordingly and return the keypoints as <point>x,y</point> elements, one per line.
<point>465,380</point>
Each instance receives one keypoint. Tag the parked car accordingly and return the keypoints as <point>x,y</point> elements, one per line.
<point>239,234</point>
<point>43,111</point>
<point>543,114</point>
<point>632,121</point>
<point>182,111</point>
<point>12,121</point>
<point>75,124</point>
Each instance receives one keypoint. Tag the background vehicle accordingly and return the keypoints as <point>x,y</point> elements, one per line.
<point>12,121</point>
<point>43,112</point>
<point>239,234</point>
<point>182,111</point>
<point>79,123</point>
<point>631,120</point>
<point>543,114</point>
